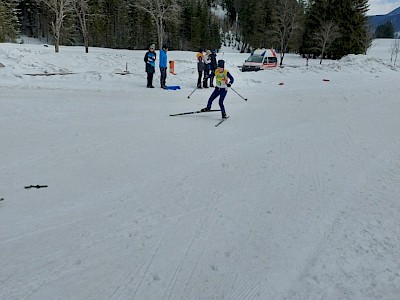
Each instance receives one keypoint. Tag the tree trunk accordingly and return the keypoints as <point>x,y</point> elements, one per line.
<point>86,41</point>
<point>160,30</point>
<point>56,43</point>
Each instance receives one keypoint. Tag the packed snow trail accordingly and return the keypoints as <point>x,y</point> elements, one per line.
<point>296,198</point>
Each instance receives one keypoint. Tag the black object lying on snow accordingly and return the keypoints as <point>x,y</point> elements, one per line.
<point>36,186</point>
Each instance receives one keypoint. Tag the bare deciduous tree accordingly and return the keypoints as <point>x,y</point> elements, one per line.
<point>60,9</point>
<point>82,9</point>
<point>394,51</point>
<point>288,23</point>
<point>326,35</point>
<point>161,11</point>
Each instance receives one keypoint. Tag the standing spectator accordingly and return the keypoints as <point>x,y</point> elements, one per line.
<point>213,66</point>
<point>223,80</point>
<point>150,60</point>
<point>200,67</point>
<point>207,68</point>
<point>163,66</point>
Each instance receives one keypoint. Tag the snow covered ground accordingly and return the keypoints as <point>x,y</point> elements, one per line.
<point>296,196</point>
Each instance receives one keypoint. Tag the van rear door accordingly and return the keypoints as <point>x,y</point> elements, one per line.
<point>270,59</point>
<point>270,62</point>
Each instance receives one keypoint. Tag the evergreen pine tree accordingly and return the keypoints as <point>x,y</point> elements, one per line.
<point>109,23</point>
<point>315,13</point>
<point>29,17</point>
<point>350,15</point>
<point>385,30</point>
<point>9,24</point>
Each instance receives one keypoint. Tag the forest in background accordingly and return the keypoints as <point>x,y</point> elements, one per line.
<point>327,28</point>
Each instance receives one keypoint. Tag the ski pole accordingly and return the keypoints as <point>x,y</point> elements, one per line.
<point>192,92</point>
<point>245,99</point>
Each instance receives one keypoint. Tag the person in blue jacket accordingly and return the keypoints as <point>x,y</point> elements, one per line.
<point>163,66</point>
<point>150,60</point>
<point>223,80</point>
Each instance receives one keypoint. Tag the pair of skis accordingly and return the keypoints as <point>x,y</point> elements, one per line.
<point>198,112</point>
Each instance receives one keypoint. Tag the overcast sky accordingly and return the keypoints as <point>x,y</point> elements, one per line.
<point>382,7</point>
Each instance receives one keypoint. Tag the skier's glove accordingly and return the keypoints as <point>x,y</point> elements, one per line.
<point>229,85</point>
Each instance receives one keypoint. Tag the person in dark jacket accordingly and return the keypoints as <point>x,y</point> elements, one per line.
<point>200,67</point>
<point>207,68</point>
<point>223,80</point>
<point>150,60</point>
<point>163,66</point>
<point>213,66</point>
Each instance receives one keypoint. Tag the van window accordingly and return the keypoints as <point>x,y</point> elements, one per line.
<point>255,59</point>
<point>273,60</point>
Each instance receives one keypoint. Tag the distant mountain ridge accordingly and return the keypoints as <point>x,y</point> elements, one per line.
<point>393,16</point>
<point>394,12</point>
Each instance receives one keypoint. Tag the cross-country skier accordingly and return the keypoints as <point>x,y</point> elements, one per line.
<point>223,80</point>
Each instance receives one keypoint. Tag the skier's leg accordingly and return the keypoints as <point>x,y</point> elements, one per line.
<point>221,102</point>
<point>214,95</point>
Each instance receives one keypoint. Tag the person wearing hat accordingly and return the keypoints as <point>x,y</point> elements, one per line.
<point>213,66</point>
<point>200,67</point>
<point>223,80</point>
<point>207,68</point>
<point>150,60</point>
<point>163,66</point>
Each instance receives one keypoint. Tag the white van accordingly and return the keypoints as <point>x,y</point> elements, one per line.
<point>260,59</point>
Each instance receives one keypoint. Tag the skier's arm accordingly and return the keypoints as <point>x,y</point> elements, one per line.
<point>231,80</point>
